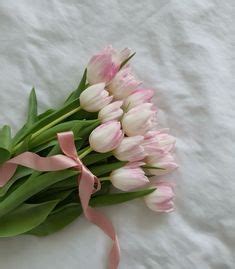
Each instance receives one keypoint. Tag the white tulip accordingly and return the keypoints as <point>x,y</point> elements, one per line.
<point>104,65</point>
<point>139,120</point>
<point>95,98</point>
<point>112,111</point>
<point>123,84</point>
<point>138,97</point>
<point>106,137</point>
<point>128,178</point>
<point>130,149</point>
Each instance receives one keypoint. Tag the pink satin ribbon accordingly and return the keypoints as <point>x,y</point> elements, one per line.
<point>87,183</point>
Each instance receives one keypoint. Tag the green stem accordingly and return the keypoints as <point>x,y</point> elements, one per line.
<point>152,167</point>
<point>83,150</point>
<point>86,152</point>
<point>49,125</point>
<point>53,123</point>
<point>104,178</point>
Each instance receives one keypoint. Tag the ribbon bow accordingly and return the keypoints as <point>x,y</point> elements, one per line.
<point>87,183</point>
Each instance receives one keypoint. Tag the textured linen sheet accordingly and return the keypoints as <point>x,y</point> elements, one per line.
<point>184,51</point>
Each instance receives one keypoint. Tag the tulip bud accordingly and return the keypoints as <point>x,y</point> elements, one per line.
<point>103,66</point>
<point>138,97</point>
<point>158,141</point>
<point>139,120</point>
<point>112,111</point>
<point>128,178</point>
<point>161,200</point>
<point>164,161</point>
<point>130,149</point>
<point>123,84</point>
<point>95,98</point>
<point>106,137</point>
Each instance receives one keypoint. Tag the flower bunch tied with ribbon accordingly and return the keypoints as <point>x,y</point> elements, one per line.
<point>102,147</point>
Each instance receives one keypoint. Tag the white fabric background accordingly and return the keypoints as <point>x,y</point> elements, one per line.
<point>184,50</point>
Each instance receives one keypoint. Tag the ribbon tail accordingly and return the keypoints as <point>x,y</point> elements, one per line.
<point>106,225</point>
<point>86,186</point>
<point>114,255</point>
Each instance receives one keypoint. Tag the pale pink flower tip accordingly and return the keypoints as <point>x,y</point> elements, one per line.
<point>113,111</point>
<point>123,84</point>
<point>130,149</point>
<point>128,178</point>
<point>95,98</point>
<point>106,137</point>
<point>158,142</point>
<point>138,97</point>
<point>161,200</point>
<point>103,66</point>
<point>139,120</point>
<point>164,161</point>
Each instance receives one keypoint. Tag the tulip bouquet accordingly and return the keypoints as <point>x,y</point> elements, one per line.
<point>102,147</point>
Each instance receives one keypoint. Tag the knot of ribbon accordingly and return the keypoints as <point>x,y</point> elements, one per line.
<point>87,183</point>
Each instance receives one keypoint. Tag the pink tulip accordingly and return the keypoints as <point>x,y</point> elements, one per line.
<point>138,97</point>
<point>158,141</point>
<point>163,161</point>
<point>139,120</point>
<point>123,84</point>
<point>112,111</point>
<point>103,66</point>
<point>129,177</point>
<point>130,149</point>
<point>161,200</point>
<point>95,98</point>
<point>106,137</point>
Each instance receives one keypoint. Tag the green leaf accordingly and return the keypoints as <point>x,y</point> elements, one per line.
<point>105,188</point>
<point>81,87</point>
<point>72,183</point>
<point>117,198</point>
<point>84,133</point>
<point>100,170</point>
<point>49,195</point>
<point>24,146</point>
<point>127,60</point>
<point>25,218</point>
<point>51,133</point>
<point>20,173</point>
<point>34,184</point>
<point>58,220</point>
<point>55,150</point>
<point>63,216</point>
<point>32,116</point>
<point>23,171</point>
<point>82,114</point>
<point>80,138</point>
<point>33,109</point>
<point>19,134</point>
<point>96,157</point>
<point>50,144</point>
<point>66,184</point>
<point>51,120</point>
<point>5,144</point>
<point>13,187</point>
<point>45,114</point>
